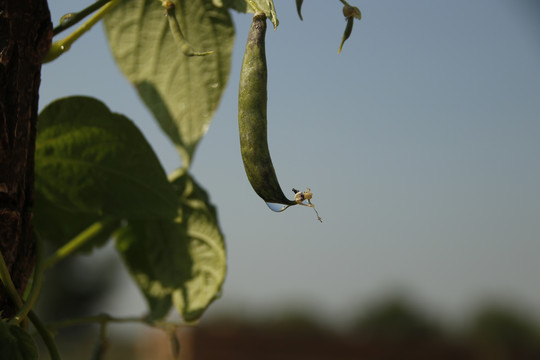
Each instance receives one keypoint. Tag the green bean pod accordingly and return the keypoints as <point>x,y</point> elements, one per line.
<point>299,8</point>
<point>347,33</point>
<point>252,98</point>
<point>350,13</point>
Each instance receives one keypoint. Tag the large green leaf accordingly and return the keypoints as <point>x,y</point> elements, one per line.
<point>180,262</point>
<point>182,92</point>
<point>92,161</point>
<point>157,256</point>
<point>58,226</point>
<point>16,344</point>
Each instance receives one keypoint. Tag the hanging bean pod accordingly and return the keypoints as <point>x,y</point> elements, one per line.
<point>299,8</point>
<point>350,13</point>
<point>347,33</point>
<point>252,100</point>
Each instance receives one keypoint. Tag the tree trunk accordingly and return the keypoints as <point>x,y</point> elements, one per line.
<point>25,37</point>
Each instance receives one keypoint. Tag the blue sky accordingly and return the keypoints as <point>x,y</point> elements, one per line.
<point>419,142</point>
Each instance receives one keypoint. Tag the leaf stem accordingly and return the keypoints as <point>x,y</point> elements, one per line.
<point>99,319</point>
<point>36,285</point>
<point>61,46</point>
<point>177,33</point>
<point>101,344</point>
<point>8,283</point>
<point>104,319</point>
<point>76,17</point>
<point>10,287</point>
<point>5,278</point>
<point>45,335</point>
<point>78,241</point>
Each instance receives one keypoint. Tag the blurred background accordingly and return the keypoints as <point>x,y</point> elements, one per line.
<point>420,144</point>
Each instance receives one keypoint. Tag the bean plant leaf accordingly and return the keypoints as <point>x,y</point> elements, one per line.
<point>58,226</point>
<point>157,256</point>
<point>16,344</point>
<point>182,92</point>
<point>92,161</point>
<point>178,262</point>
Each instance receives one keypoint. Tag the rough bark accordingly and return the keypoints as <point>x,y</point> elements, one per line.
<point>25,37</point>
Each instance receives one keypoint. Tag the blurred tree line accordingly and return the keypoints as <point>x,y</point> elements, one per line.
<point>496,330</point>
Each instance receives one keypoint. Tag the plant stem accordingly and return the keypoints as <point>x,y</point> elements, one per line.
<point>8,283</point>
<point>106,318</point>
<point>101,344</point>
<point>176,31</point>
<point>36,286</point>
<point>66,24</point>
<point>61,46</point>
<point>45,335</point>
<point>100,319</point>
<point>76,243</point>
<point>5,277</point>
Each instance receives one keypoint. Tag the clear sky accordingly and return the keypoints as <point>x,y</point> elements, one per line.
<point>420,142</point>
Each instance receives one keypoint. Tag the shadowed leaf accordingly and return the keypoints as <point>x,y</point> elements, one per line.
<point>93,164</point>
<point>181,262</point>
<point>16,344</point>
